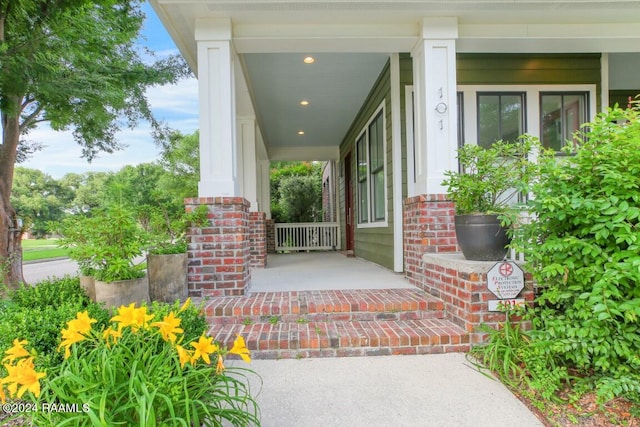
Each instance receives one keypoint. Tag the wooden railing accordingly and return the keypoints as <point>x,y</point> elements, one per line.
<point>308,236</point>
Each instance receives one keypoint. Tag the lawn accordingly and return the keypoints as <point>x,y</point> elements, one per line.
<point>34,249</point>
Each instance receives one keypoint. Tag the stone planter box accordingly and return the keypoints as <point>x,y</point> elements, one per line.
<point>123,292</point>
<point>167,277</point>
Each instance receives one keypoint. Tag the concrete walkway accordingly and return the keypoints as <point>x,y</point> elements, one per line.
<point>432,390</point>
<point>322,271</point>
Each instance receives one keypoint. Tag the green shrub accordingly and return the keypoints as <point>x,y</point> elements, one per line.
<point>37,313</point>
<point>584,252</point>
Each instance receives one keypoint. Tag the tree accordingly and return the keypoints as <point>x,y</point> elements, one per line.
<point>282,209</point>
<point>88,189</point>
<point>74,64</point>
<point>180,158</point>
<point>38,199</point>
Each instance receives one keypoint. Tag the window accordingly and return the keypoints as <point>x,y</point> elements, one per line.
<point>370,149</point>
<point>500,116</point>
<point>561,114</point>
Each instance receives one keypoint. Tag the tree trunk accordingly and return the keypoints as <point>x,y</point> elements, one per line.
<point>10,232</point>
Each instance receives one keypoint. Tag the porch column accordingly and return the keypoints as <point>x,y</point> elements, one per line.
<point>217,109</point>
<point>428,225</point>
<point>434,80</point>
<point>264,187</point>
<point>247,164</point>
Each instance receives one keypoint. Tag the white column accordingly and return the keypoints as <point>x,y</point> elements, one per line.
<point>434,80</point>
<point>247,164</point>
<point>264,187</point>
<point>217,109</point>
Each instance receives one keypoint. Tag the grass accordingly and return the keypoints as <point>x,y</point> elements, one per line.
<point>33,249</point>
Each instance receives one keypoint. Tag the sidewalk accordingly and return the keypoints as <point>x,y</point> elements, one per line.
<point>431,390</point>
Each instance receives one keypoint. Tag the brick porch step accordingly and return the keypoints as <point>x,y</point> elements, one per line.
<point>304,324</point>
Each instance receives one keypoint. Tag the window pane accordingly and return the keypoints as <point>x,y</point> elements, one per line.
<point>511,117</point>
<point>561,115</point>
<point>488,119</point>
<point>551,110</point>
<point>376,142</point>
<point>574,114</point>
<point>378,196</point>
<point>363,208</point>
<point>362,157</point>
<point>500,116</point>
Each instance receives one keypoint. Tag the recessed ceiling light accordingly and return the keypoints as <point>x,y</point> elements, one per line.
<point>300,132</point>
<point>309,60</point>
<point>304,102</point>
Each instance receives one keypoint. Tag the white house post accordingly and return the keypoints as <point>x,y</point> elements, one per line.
<point>428,224</point>
<point>219,252</point>
<point>217,109</point>
<point>247,162</point>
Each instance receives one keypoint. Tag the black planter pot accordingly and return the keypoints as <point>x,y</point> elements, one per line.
<point>481,237</point>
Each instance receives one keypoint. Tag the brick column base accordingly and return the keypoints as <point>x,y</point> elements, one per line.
<point>428,224</point>
<point>219,253</point>
<point>271,236</point>
<point>462,285</point>
<point>258,238</point>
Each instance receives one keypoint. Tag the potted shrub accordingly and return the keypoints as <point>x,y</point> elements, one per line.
<point>167,255</point>
<point>108,245</point>
<point>488,194</point>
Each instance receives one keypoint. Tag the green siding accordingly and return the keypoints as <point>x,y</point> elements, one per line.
<point>373,244</point>
<point>529,69</point>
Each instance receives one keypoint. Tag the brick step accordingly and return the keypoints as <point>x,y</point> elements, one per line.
<point>324,306</point>
<point>346,338</point>
<point>303,324</point>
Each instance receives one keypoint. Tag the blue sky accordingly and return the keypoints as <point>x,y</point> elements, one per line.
<point>177,105</point>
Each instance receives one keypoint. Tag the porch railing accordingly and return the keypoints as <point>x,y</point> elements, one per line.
<point>308,236</point>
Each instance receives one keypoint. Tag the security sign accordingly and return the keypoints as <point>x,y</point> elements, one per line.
<point>505,279</point>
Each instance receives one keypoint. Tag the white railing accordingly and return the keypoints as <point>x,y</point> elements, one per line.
<point>307,236</point>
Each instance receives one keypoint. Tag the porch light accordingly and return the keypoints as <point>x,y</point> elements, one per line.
<point>304,102</point>
<point>309,60</point>
<point>300,132</point>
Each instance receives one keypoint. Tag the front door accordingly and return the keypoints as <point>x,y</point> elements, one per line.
<point>348,204</point>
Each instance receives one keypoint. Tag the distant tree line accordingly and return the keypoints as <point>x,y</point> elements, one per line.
<point>157,188</point>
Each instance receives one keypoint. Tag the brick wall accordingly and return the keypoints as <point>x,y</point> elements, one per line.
<point>462,285</point>
<point>271,236</point>
<point>428,228</point>
<point>258,239</point>
<point>219,252</point>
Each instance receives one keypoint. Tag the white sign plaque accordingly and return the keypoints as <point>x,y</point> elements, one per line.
<point>502,304</point>
<point>505,279</point>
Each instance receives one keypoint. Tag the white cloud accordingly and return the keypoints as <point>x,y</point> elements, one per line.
<point>177,105</point>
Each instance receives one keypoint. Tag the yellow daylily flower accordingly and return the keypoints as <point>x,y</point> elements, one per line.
<point>23,374</point>
<point>203,348</point>
<point>82,323</point>
<point>17,351</point>
<point>169,327</point>
<point>111,334</point>
<point>220,365</point>
<point>3,396</point>
<point>240,348</point>
<point>131,316</point>
<point>69,337</point>
<point>184,355</point>
<point>186,305</point>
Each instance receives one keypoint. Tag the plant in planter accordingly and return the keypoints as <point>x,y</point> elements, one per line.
<point>108,245</point>
<point>487,193</point>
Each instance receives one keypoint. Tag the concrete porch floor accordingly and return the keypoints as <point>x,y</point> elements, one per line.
<point>315,271</point>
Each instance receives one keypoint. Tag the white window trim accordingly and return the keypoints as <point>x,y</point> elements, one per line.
<point>385,222</point>
<point>532,104</point>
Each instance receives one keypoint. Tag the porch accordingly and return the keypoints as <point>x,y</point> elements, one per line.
<point>317,271</point>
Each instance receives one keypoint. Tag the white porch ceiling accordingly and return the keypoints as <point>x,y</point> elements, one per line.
<point>351,41</point>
